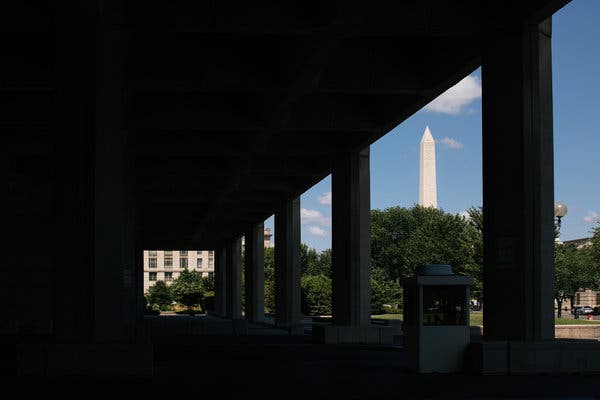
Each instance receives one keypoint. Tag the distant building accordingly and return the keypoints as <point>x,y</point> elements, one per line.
<point>580,243</point>
<point>587,297</point>
<point>166,265</point>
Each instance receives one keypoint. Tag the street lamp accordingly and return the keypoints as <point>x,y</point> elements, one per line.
<point>560,210</point>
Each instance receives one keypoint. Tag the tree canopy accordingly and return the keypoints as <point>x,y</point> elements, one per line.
<point>160,295</point>
<point>187,288</point>
<point>404,238</point>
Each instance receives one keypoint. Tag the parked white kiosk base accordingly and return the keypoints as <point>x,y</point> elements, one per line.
<point>436,319</point>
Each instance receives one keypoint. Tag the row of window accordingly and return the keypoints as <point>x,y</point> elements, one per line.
<point>153,277</point>
<point>183,263</point>
<point>153,253</point>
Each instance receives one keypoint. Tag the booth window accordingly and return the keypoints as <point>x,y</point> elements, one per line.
<point>444,305</point>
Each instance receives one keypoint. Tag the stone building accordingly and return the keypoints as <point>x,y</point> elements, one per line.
<point>166,265</point>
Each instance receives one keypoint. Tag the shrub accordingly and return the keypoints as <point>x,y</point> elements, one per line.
<point>378,297</point>
<point>316,295</point>
<point>208,283</point>
<point>391,310</point>
<point>160,295</point>
<point>269,297</point>
<point>208,303</point>
<point>187,289</point>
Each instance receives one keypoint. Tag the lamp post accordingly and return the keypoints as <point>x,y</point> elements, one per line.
<point>560,210</point>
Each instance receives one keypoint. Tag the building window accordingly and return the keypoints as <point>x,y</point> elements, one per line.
<point>183,253</point>
<point>199,263</point>
<point>152,262</point>
<point>211,263</point>
<point>199,252</point>
<point>211,253</point>
<point>168,253</point>
<point>168,276</point>
<point>152,276</point>
<point>168,262</point>
<point>183,263</point>
<point>577,298</point>
<point>597,298</point>
<point>152,253</point>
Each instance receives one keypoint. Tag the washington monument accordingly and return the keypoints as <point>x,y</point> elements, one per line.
<point>427,184</point>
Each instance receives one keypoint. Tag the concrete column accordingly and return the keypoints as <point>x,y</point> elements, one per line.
<point>114,242</point>
<point>287,267</point>
<point>94,291</point>
<point>73,203</point>
<point>254,273</point>
<point>233,279</point>
<point>351,241</point>
<point>518,185</point>
<point>220,282</point>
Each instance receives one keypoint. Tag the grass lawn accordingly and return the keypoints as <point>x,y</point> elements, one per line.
<point>572,321</point>
<point>477,319</point>
<point>387,316</point>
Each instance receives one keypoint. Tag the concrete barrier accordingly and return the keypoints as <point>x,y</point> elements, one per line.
<point>577,331</point>
<point>587,331</point>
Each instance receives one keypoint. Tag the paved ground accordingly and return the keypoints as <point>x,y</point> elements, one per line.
<point>302,371</point>
<point>271,365</point>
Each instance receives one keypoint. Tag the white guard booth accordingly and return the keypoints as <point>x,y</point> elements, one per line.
<point>436,319</point>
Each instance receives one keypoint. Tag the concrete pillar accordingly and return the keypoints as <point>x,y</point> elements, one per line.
<point>220,282</point>
<point>233,279</point>
<point>351,241</point>
<point>287,267</point>
<point>518,185</point>
<point>254,273</point>
<point>73,230</point>
<point>95,296</point>
<point>114,242</point>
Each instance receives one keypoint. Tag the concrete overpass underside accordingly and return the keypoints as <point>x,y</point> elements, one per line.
<point>130,125</point>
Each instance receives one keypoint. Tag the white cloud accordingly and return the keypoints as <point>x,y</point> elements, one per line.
<point>591,216</point>
<point>453,144</point>
<point>315,230</point>
<point>325,198</point>
<point>314,217</point>
<point>455,99</point>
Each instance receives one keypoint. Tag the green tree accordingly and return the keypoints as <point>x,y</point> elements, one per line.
<point>574,270</point>
<point>385,290</point>
<point>269,296</point>
<point>595,252</point>
<point>269,263</point>
<point>187,288</point>
<point>309,259</point>
<point>475,269</point>
<point>208,283</point>
<point>404,238</point>
<point>378,297</point>
<point>323,265</point>
<point>316,295</point>
<point>160,295</point>
<point>269,268</point>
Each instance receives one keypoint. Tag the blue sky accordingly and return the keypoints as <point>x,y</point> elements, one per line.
<point>455,122</point>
